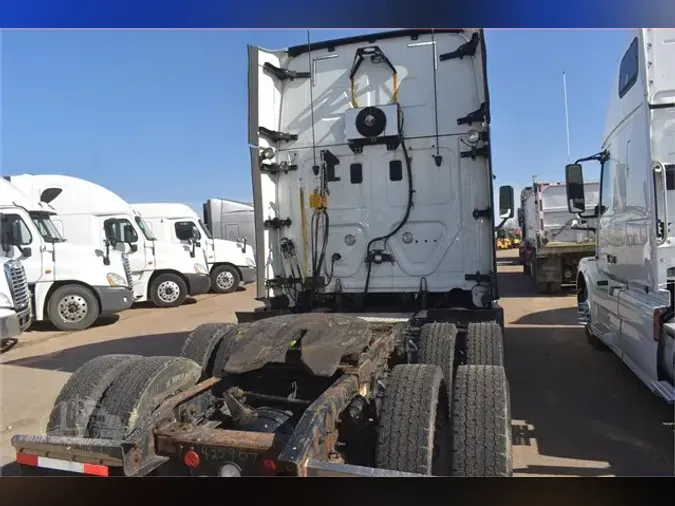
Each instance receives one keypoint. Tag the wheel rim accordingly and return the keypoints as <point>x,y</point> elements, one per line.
<point>225,280</point>
<point>168,291</point>
<point>73,308</point>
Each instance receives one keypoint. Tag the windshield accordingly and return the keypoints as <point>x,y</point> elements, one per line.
<point>205,229</point>
<point>145,229</point>
<point>46,227</point>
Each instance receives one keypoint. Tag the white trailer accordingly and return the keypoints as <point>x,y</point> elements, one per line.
<point>71,285</point>
<point>554,240</point>
<point>230,219</point>
<point>230,263</point>
<point>91,215</point>
<point>626,292</point>
<point>15,306</point>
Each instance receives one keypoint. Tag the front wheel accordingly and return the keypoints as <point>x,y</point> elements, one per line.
<point>225,279</point>
<point>73,307</point>
<point>168,290</point>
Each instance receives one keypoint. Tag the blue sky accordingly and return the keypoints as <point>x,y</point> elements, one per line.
<point>161,115</point>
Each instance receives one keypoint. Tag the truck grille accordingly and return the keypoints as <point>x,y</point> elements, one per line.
<point>127,270</point>
<point>18,284</point>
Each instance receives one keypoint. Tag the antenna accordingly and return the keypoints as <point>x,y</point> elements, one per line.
<point>567,118</point>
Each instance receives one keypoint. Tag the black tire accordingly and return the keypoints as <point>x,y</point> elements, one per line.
<point>82,393</point>
<point>225,279</point>
<point>484,344</point>
<point>481,422</point>
<point>73,307</point>
<point>140,388</point>
<point>203,343</point>
<point>168,290</point>
<point>436,346</point>
<point>414,413</point>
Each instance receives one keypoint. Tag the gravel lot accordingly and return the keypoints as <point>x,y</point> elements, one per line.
<point>576,411</point>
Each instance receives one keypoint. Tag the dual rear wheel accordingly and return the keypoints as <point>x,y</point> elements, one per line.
<point>449,414</point>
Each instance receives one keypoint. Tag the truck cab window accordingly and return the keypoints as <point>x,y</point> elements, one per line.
<point>628,72</point>
<point>46,227</point>
<point>9,221</point>
<point>145,229</point>
<point>116,227</point>
<point>186,224</point>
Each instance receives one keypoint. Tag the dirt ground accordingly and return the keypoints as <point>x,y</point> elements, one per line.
<point>576,411</point>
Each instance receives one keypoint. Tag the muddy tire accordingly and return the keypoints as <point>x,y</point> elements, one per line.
<point>481,422</point>
<point>436,346</point>
<point>140,388</point>
<point>414,414</point>
<point>203,343</point>
<point>168,290</point>
<point>484,344</point>
<point>82,392</point>
<point>225,279</point>
<point>73,307</point>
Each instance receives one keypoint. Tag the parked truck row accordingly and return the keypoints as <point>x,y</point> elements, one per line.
<point>86,252</point>
<point>378,348</point>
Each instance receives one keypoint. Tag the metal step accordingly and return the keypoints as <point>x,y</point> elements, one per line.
<point>664,389</point>
<point>583,313</point>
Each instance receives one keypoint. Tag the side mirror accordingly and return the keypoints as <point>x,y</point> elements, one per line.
<point>130,236</point>
<point>26,252</point>
<point>574,182</point>
<point>505,202</point>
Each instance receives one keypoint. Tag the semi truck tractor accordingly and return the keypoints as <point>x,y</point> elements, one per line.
<point>71,285</point>
<point>91,215</point>
<point>230,263</point>
<point>15,306</point>
<point>230,219</point>
<point>554,240</point>
<point>626,290</point>
<point>378,346</point>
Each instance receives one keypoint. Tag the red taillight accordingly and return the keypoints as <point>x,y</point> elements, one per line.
<point>191,458</point>
<point>269,466</point>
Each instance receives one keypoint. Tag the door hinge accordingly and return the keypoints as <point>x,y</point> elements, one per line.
<point>480,278</point>
<point>473,153</point>
<point>277,223</point>
<point>274,168</point>
<point>275,136</point>
<point>466,49</point>
<point>482,114</point>
<point>482,213</point>
<point>283,74</point>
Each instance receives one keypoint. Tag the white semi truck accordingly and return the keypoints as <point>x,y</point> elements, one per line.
<point>92,215</point>
<point>554,240</point>
<point>15,306</point>
<point>71,285</point>
<point>230,263</point>
<point>380,334</point>
<point>626,291</point>
<point>230,219</point>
